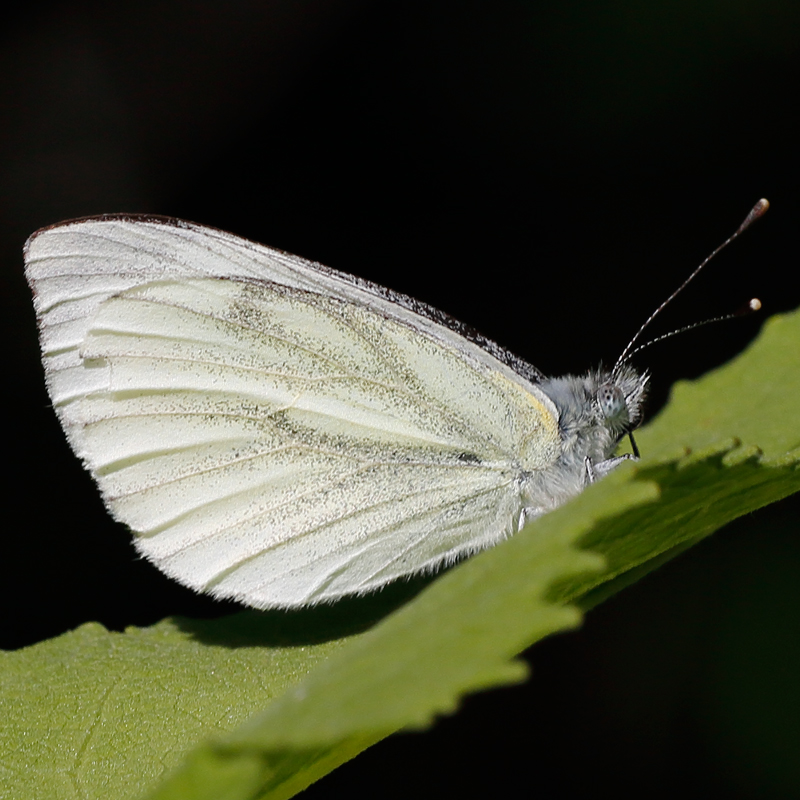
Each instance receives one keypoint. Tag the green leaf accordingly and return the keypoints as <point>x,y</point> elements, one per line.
<point>93,713</point>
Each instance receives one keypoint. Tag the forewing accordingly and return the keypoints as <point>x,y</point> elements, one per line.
<point>73,266</point>
<point>271,443</point>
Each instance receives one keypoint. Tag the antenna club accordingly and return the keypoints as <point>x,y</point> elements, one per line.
<point>753,305</point>
<point>758,210</point>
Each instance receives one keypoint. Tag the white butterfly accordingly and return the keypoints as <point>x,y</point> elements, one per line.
<point>283,434</point>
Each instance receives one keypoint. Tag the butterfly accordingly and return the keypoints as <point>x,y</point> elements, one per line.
<point>280,433</point>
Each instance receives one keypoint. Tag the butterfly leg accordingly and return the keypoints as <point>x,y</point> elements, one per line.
<point>528,514</point>
<point>599,470</point>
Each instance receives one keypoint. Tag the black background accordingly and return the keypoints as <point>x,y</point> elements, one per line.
<point>547,174</point>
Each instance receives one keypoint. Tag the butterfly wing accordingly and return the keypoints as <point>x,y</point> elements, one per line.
<point>270,430</point>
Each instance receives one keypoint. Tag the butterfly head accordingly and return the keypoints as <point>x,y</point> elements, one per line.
<point>596,410</point>
<point>619,399</point>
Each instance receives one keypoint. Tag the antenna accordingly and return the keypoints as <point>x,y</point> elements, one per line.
<point>749,307</point>
<point>758,210</point>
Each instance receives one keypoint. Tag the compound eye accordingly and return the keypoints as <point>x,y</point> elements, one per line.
<point>612,402</point>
